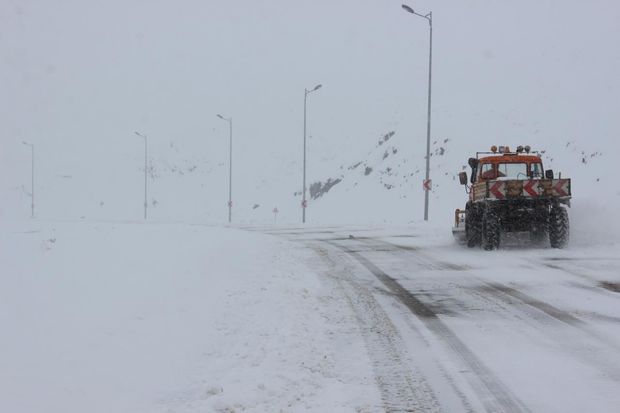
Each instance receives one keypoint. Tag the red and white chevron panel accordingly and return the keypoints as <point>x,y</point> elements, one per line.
<point>561,187</point>
<point>497,189</point>
<point>531,188</point>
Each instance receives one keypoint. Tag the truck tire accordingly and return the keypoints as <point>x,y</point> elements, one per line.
<point>490,230</point>
<point>473,227</point>
<point>558,227</point>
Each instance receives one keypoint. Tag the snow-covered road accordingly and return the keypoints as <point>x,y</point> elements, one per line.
<point>453,329</point>
<point>159,317</point>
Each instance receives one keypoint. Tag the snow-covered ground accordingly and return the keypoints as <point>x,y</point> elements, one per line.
<point>124,317</point>
<point>161,317</point>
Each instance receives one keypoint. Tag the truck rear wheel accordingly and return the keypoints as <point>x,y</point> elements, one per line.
<point>490,230</point>
<point>558,227</point>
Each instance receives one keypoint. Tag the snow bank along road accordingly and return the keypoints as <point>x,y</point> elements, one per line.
<point>452,329</point>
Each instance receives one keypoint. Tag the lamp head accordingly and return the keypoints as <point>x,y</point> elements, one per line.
<point>407,8</point>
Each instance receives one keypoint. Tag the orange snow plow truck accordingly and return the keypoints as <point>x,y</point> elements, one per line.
<point>511,192</point>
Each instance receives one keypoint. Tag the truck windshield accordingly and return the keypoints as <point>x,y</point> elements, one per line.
<point>512,170</point>
<point>504,171</point>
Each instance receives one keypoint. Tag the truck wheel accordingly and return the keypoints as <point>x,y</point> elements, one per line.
<point>558,227</point>
<point>490,231</point>
<point>473,228</point>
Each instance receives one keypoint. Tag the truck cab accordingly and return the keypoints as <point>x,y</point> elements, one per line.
<point>509,166</point>
<point>501,164</point>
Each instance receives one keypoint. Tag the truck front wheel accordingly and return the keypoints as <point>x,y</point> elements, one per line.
<point>558,227</point>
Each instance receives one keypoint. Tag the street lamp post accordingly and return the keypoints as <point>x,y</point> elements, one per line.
<point>229,120</point>
<point>304,203</point>
<point>32,177</point>
<point>429,18</point>
<point>145,167</point>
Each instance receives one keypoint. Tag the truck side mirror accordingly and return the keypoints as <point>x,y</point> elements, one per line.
<point>463,178</point>
<point>549,174</point>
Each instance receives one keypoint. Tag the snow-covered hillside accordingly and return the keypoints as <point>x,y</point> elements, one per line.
<point>379,183</point>
<point>386,185</point>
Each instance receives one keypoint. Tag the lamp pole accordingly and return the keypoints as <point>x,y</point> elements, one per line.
<point>32,177</point>
<point>304,202</point>
<point>429,18</point>
<point>145,166</point>
<point>229,120</point>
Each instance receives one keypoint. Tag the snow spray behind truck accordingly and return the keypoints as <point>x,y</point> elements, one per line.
<point>511,192</point>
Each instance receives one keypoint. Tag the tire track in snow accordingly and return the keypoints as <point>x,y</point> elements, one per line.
<point>402,388</point>
<point>512,302</point>
<point>533,310</point>
<point>602,286</point>
<point>495,396</point>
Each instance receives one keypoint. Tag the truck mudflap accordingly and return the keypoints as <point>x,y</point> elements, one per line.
<point>528,188</point>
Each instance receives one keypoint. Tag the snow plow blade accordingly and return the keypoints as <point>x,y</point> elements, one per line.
<point>458,230</point>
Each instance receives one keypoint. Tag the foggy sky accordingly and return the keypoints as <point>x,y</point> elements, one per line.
<point>78,77</point>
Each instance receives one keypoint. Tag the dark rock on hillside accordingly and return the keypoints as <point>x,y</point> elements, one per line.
<point>386,137</point>
<point>318,189</point>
